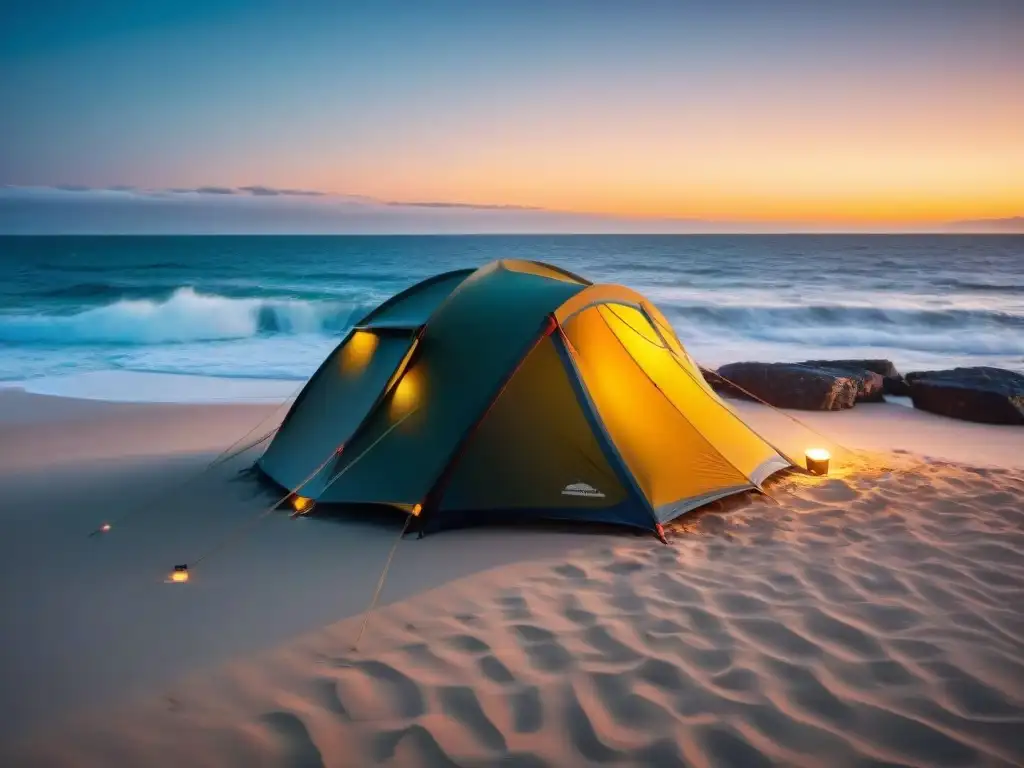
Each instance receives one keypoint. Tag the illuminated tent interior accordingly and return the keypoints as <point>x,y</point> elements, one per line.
<point>515,391</point>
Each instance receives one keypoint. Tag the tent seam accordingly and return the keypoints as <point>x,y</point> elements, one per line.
<point>435,493</point>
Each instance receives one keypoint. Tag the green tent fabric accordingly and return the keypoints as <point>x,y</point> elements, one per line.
<point>466,399</point>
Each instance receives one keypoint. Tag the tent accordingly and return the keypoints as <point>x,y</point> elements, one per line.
<point>512,391</point>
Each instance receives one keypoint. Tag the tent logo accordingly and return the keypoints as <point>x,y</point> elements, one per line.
<point>582,489</point>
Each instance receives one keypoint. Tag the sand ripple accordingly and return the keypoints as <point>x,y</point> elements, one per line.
<point>874,618</point>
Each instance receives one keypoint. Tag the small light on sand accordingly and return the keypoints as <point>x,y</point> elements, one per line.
<point>817,461</point>
<point>179,574</point>
<point>417,508</point>
<point>301,504</point>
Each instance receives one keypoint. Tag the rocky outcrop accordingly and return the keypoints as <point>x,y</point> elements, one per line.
<point>721,386</point>
<point>895,385</point>
<point>983,394</point>
<point>892,381</point>
<point>881,367</point>
<point>789,385</point>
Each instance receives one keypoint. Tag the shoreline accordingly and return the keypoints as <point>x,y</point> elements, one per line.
<point>150,387</point>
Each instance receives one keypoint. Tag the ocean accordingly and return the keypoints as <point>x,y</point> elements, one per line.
<point>250,317</point>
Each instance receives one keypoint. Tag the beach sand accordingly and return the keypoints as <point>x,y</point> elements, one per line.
<point>872,617</point>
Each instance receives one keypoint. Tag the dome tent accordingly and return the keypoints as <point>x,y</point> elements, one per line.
<point>512,391</point>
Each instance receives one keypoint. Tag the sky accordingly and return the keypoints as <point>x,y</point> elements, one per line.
<point>528,115</point>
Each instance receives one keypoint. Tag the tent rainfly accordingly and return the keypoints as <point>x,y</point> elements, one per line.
<point>514,391</point>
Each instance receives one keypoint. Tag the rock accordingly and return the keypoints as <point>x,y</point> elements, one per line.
<point>983,394</point>
<point>789,385</point>
<point>720,385</point>
<point>895,385</point>
<point>881,367</point>
<point>870,385</point>
<point>892,381</point>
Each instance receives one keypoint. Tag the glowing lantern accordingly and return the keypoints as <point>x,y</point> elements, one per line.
<point>417,508</point>
<point>301,504</point>
<point>105,528</point>
<point>817,461</point>
<point>180,574</point>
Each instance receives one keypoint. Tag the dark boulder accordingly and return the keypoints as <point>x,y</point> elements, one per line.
<point>720,385</point>
<point>791,385</point>
<point>881,367</point>
<point>983,394</point>
<point>892,382</point>
<point>896,385</point>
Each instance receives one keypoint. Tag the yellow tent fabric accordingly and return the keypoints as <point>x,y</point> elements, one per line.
<point>682,384</point>
<point>682,444</point>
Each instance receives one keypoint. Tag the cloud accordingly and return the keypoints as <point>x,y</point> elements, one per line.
<point>262,191</point>
<point>215,190</point>
<point>195,191</point>
<point>467,206</point>
<point>259,209</point>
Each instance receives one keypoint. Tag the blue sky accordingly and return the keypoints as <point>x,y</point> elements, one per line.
<point>845,113</point>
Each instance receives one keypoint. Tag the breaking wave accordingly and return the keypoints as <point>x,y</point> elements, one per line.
<point>964,331</point>
<point>185,316</point>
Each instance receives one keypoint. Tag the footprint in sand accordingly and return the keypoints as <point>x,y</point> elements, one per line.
<point>296,747</point>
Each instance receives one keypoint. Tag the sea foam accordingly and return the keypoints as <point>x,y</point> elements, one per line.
<point>184,316</point>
